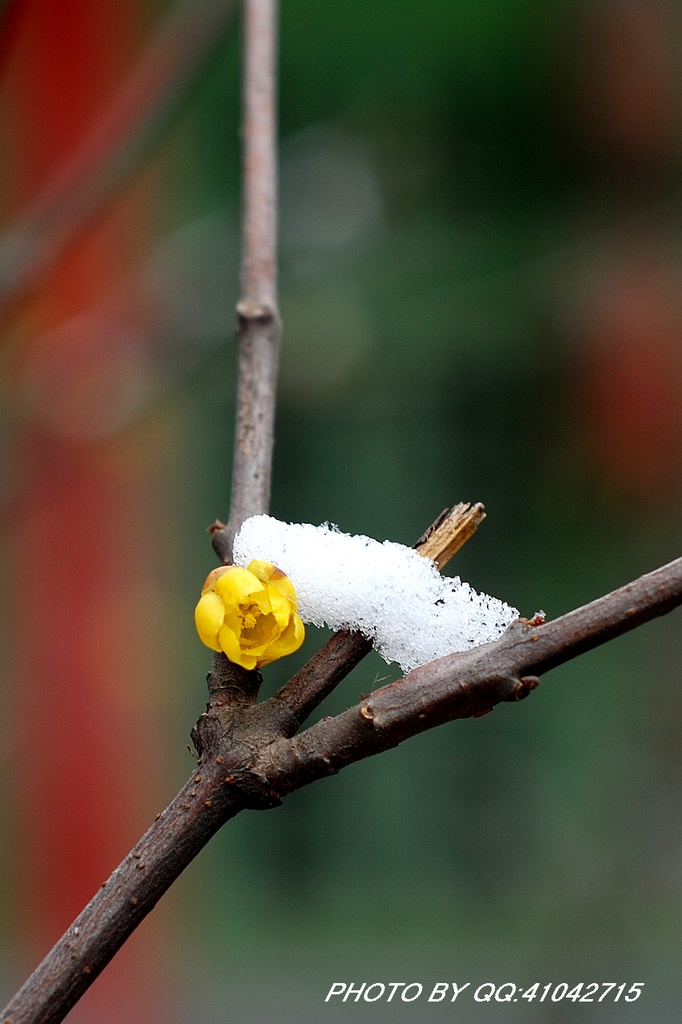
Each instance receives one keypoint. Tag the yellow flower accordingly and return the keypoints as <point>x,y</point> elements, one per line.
<point>249,614</point>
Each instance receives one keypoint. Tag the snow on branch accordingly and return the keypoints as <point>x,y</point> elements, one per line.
<point>390,593</point>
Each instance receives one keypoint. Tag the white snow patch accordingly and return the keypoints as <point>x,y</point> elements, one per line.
<point>389,592</point>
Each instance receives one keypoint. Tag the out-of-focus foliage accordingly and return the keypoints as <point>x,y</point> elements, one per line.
<point>480,287</point>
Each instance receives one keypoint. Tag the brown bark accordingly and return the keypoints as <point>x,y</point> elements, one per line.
<point>248,758</point>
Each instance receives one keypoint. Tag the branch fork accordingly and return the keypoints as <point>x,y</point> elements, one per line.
<point>252,755</point>
<point>249,743</point>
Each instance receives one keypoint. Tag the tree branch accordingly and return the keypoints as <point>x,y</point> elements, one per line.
<point>258,326</point>
<point>470,684</point>
<point>246,761</point>
<point>126,131</point>
<point>250,755</point>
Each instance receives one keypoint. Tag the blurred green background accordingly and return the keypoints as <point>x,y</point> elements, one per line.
<point>480,288</point>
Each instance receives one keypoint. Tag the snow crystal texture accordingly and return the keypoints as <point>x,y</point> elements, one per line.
<point>389,592</point>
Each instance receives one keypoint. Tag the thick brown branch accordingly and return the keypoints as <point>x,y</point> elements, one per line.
<point>113,148</point>
<point>470,684</point>
<point>247,762</point>
<point>179,833</point>
<point>259,326</point>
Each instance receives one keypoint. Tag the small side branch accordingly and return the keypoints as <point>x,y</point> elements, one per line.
<point>450,532</point>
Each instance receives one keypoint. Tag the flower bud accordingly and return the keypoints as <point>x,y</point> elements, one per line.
<point>249,614</point>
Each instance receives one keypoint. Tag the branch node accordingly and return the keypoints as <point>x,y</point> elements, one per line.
<point>222,538</point>
<point>367,712</point>
<point>539,619</point>
<point>248,310</point>
<point>524,686</point>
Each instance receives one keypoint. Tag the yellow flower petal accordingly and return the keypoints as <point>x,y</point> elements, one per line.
<point>261,598</point>
<point>275,577</point>
<point>290,641</point>
<point>233,620</point>
<point>294,635</point>
<point>208,616</point>
<point>236,584</point>
<point>282,608</point>
<point>232,648</point>
<point>213,576</point>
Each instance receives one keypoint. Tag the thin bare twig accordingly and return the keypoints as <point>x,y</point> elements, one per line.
<point>245,762</point>
<point>450,532</point>
<point>258,325</point>
<point>125,132</point>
